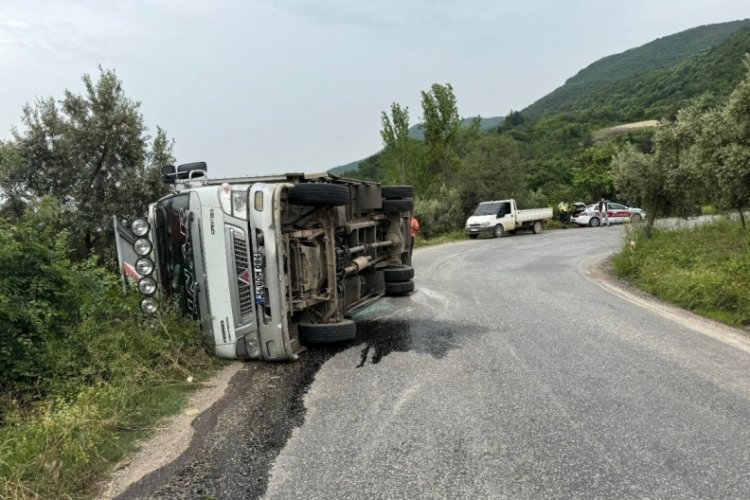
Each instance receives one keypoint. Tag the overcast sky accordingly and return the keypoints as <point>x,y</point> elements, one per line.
<point>263,87</point>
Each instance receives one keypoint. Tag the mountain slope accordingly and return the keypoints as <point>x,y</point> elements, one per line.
<point>629,66</point>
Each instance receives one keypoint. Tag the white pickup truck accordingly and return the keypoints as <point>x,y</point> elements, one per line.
<point>498,217</point>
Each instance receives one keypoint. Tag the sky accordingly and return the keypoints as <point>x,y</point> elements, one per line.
<point>262,87</point>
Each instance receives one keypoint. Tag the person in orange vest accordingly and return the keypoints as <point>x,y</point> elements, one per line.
<point>414,230</point>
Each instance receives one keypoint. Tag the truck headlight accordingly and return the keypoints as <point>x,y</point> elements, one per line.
<point>225,198</point>
<point>485,224</point>
<point>239,204</point>
<point>147,286</point>
<point>149,305</point>
<point>144,266</point>
<point>140,227</point>
<point>142,246</point>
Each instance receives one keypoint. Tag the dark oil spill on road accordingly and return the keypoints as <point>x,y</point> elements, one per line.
<point>237,440</point>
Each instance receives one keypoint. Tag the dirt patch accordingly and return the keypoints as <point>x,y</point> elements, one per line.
<point>172,437</point>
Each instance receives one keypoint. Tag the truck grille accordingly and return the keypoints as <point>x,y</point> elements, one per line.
<point>244,280</point>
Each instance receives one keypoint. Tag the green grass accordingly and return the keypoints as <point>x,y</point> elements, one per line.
<point>705,270</point>
<point>64,449</point>
<point>133,372</point>
<point>440,239</point>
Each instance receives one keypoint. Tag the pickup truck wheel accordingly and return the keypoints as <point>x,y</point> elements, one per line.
<point>398,274</point>
<point>397,192</point>
<point>473,236</point>
<point>498,232</point>
<point>324,333</point>
<point>594,222</point>
<point>537,227</point>
<point>397,206</point>
<point>319,194</point>
<point>401,288</point>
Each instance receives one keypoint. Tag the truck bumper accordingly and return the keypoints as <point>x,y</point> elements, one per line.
<point>479,230</point>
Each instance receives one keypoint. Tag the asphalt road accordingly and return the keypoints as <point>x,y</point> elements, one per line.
<point>509,373</point>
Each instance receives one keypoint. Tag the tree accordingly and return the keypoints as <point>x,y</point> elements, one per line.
<point>591,175</point>
<point>445,138</point>
<point>637,177</point>
<point>723,149</point>
<point>667,182</point>
<point>403,156</point>
<point>491,170</point>
<point>92,153</point>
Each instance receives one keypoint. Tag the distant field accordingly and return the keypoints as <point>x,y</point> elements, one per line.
<point>608,133</point>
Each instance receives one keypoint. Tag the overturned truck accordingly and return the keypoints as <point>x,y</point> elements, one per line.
<point>269,264</point>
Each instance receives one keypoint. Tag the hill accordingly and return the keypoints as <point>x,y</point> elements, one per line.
<point>654,70</point>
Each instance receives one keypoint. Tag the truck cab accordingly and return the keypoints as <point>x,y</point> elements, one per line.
<point>269,264</point>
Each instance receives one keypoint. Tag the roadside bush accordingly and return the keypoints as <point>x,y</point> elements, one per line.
<point>83,371</point>
<point>439,216</point>
<point>704,269</point>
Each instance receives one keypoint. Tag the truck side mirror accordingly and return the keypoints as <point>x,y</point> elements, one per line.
<point>168,174</point>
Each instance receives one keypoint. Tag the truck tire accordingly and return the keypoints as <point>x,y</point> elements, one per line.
<point>537,227</point>
<point>319,194</point>
<point>498,231</point>
<point>398,274</point>
<point>397,206</point>
<point>399,288</point>
<point>325,333</point>
<point>397,192</point>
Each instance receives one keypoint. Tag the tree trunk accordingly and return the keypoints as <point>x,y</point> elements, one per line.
<point>742,219</point>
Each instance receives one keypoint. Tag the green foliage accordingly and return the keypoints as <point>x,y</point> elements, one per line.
<point>592,177</point>
<point>439,215</point>
<point>653,80</point>
<point>444,137</point>
<point>403,158</point>
<point>704,269</point>
<point>91,153</point>
<point>83,369</point>
<point>491,170</point>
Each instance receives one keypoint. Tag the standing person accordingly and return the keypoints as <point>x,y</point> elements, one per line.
<point>603,207</point>
<point>414,229</point>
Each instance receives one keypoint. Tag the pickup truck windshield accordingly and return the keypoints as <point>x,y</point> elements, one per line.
<point>487,209</point>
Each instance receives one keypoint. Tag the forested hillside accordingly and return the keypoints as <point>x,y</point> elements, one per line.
<point>648,69</point>
<point>552,150</point>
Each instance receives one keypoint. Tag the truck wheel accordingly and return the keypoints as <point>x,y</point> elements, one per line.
<point>319,194</point>
<point>498,232</point>
<point>398,274</point>
<point>399,288</point>
<point>397,192</point>
<point>537,227</point>
<point>397,206</point>
<point>473,236</point>
<point>324,333</point>
<point>594,222</point>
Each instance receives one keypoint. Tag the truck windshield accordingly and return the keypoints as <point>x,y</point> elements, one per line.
<point>176,265</point>
<point>487,208</point>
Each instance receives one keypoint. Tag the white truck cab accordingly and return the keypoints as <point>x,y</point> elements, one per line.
<point>495,218</point>
<point>269,264</point>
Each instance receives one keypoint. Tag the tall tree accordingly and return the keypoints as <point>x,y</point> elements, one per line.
<point>444,136</point>
<point>91,152</point>
<point>403,156</point>
<point>492,170</point>
<point>591,175</point>
<point>723,149</point>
